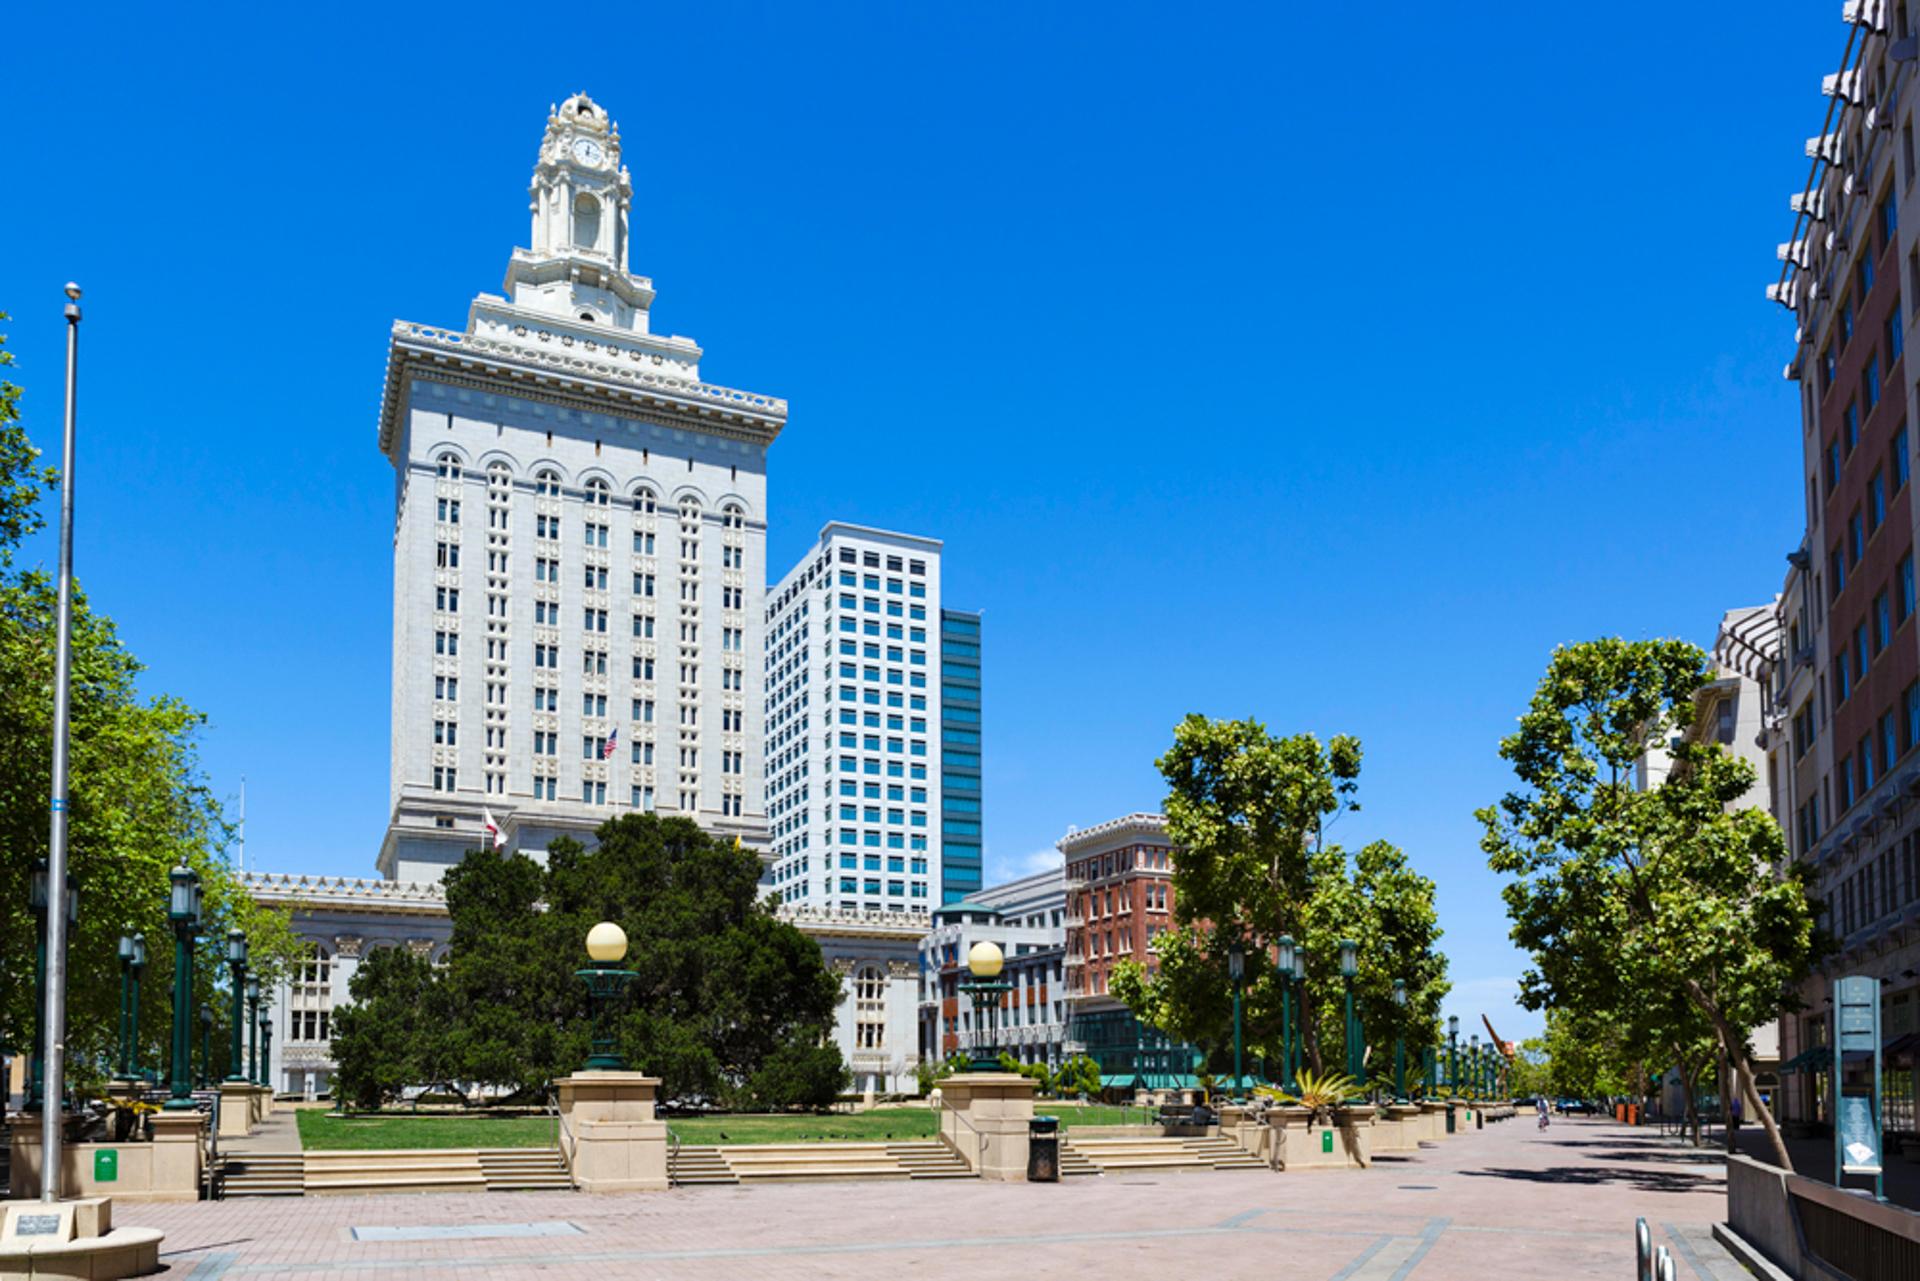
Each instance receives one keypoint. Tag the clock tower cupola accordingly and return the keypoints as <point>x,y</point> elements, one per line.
<point>579,199</point>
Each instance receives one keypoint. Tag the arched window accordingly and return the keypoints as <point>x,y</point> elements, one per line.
<point>689,512</point>
<point>586,221</point>
<point>869,1008</point>
<point>598,495</point>
<point>733,517</point>
<point>643,501</point>
<point>449,467</point>
<point>499,477</point>
<point>547,484</point>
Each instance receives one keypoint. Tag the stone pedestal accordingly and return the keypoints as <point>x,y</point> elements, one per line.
<point>1396,1129</point>
<point>1462,1115</point>
<point>1433,1120</point>
<point>168,1168</point>
<point>985,1120</point>
<point>1302,1143</point>
<point>608,1133</point>
<point>236,1109</point>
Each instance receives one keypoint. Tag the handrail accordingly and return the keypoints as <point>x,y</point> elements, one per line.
<point>563,1136</point>
<point>941,1105</point>
<point>673,1157</point>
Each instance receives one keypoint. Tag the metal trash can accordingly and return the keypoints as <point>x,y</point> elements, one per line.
<point>1043,1149</point>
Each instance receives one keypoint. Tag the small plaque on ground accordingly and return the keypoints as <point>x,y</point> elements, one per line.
<point>466,1231</point>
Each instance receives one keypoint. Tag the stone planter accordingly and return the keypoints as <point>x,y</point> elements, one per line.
<point>1433,1120</point>
<point>1397,1129</point>
<point>1301,1141</point>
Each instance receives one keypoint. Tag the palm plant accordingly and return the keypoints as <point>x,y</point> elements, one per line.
<point>1320,1093</point>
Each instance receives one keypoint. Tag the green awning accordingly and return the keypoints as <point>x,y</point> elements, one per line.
<point>1817,1059</point>
<point>1117,1080</point>
<point>1169,1081</point>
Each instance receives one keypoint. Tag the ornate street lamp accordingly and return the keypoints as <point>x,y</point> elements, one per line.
<point>206,1045</point>
<point>1237,973</point>
<point>606,982</point>
<point>984,960</point>
<point>1473,1064</point>
<point>1399,1041</point>
<point>183,913</point>
<point>253,1030</point>
<point>237,979</point>
<point>1283,967</point>
<point>1453,1054</point>
<point>1349,968</point>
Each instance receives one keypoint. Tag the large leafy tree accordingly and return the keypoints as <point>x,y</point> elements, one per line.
<point>1249,812</point>
<point>1625,895</point>
<point>730,1002</point>
<point>137,803</point>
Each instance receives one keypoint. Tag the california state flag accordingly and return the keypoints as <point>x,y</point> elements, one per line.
<point>493,827</point>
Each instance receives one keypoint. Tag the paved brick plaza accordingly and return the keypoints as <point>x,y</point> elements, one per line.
<point>1507,1198</point>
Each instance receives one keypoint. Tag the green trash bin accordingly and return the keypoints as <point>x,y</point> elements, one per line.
<point>1043,1149</point>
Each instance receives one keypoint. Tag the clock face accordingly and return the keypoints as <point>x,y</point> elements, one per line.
<point>587,151</point>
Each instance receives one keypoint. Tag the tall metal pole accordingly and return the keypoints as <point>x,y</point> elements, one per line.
<point>53,1015</point>
<point>1236,1038</point>
<point>1286,1030</point>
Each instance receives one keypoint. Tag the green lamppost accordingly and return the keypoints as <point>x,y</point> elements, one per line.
<point>1473,1065</point>
<point>183,912</point>
<point>1300,1012</point>
<point>1453,1054</point>
<point>984,961</point>
<point>237,979</point>
<point>1283,969</point>
<point>130,1071</point>
<point>606,982</point>
<point>266,1044</point>
<point>253,1030</point>
<point>1349,969</point>
<point>38,897</point>
<point>1237,975</point>
<point>1400,1041</point>
<point>206,1045</point>
<point>126,981</point>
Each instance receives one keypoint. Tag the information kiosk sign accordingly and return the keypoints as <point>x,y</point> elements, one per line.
<point>1856,1079</point>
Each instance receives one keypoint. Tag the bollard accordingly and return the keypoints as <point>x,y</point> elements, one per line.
<point>1643,1251</point>
<point>1663,1265</point>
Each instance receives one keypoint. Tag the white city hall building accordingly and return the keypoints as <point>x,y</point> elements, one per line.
<point>579,545</point>
<point>579,606</point>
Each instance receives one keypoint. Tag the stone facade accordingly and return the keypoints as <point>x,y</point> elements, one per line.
<point>579,546</point>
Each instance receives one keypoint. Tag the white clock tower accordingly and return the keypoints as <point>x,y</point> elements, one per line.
<point>579,546</point>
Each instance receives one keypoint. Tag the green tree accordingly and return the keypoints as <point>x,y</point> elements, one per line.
<point>1623,895</point>
<point>1249,813</point>
<point>389,1036</point>
<point>730,1002</point>
<point>1078,1075</point>
<point>137,804</point>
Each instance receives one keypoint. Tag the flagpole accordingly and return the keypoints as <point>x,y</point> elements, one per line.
<point>53,1014</point>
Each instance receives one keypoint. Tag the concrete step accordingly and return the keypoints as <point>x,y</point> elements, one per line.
<point>395,1170</point>
<point>524,1169</point>
<point>698,1166</point>
<point>930,1161</point>
<point>264,1174</point>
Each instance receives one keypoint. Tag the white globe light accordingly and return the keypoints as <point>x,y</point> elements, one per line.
<point>984,960</point>
<point>607,942</point>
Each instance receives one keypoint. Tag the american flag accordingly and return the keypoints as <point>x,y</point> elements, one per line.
<point>613,741</point>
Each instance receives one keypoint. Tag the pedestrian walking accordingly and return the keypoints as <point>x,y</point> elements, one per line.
<point>1540,1106</point>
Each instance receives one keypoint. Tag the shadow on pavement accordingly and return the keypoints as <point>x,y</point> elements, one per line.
<point>1644,1180</point>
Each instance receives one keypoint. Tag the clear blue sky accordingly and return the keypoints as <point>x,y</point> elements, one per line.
<point>1293,366</point>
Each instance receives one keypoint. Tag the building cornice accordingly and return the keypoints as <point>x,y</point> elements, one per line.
<point>1148,826</point>
<point>564,378</point>
<point>355,893</point>
<point>854,924</point>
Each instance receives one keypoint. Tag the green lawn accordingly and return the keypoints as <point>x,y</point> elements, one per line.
<point>323,1131</point>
